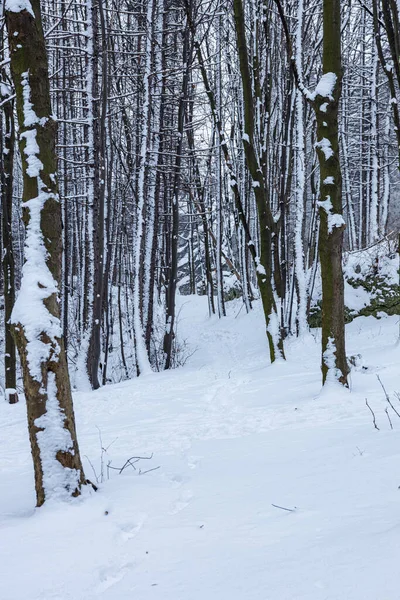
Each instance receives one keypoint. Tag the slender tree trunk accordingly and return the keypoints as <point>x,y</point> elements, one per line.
<point>7,132</point>
<point>171,290</point>
<point>36,314</point>
<point>326,104</point>
<point>267,227</point>
<point>99,129</point>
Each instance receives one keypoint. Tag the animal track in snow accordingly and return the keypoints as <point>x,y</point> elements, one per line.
<point>193,461</point>
<point>111,575</point>
<point>182,502</point>
<point>129,530</point>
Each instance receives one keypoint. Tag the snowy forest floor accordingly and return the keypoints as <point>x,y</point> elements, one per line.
<point>231,435</point>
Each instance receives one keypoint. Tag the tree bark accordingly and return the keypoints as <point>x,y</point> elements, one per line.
<point>8,263</point>
<point>267,226</point>
<point>36,315</point>
<point>173,278</point>
<point>331,233</point>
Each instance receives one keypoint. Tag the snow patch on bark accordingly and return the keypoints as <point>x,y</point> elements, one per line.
<point>325,146</point>
<point>326,86</point>
<point>16,6</point>
<point>58,481</point>
<point>329,358</point>
<point>334,219</point>
<point>37,283</point>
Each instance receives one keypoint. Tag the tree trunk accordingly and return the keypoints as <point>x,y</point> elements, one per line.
<point>36,314</point>
<point>99,185</point>
<point>326,105</point>
<point>173,278</point>
<point>267,226</point>
<point>6,166</point>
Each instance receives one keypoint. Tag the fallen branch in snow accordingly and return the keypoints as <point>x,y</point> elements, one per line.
<point>373,415</point>
<point>148,470</point>
<point>283,508</point>
<point>131,463</point>
<point>88,482</point>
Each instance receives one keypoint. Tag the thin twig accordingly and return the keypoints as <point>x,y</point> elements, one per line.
<point>130,462</point>
<point>373,415</point>
<point>93,469</point>
<point>387,396</point>
<point>283,508</point>
<point>148,470</point>
<point>389,419</point>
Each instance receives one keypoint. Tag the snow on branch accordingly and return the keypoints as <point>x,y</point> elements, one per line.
<point>17,6</point>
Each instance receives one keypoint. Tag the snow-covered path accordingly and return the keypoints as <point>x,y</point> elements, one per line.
<point>231,436</point>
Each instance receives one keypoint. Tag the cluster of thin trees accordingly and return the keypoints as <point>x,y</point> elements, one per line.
<point>222,147</point>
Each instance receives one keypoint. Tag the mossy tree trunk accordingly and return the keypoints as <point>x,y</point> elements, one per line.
<point>36,315</point>
<point>326,105</point>
<point>267,225</point>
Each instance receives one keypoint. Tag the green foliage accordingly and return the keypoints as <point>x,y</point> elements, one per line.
<point>384,298</point>
<point>315,316</point>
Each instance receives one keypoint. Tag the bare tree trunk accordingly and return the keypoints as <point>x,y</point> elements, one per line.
<point>36,314</point>
<point>171,290</point>
<point>326,105</point>
<point>267,226</point>
<point>7,131</point>
<point>99,131</point>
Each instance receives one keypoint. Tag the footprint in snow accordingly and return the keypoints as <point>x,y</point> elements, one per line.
<point>112,574</point>
<point>193,461</point>
<point>130,529</point>
<point>182,503</point>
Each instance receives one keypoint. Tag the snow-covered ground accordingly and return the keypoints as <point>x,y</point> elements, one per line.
<point>231,435</point>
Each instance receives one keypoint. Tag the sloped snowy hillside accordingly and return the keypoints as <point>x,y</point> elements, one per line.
<point>229,437</point>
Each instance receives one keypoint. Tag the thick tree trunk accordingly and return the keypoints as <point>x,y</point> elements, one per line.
<point>326,105</point>
<point>36,314</point>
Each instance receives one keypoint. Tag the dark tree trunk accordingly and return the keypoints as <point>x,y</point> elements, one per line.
<point>331,233</point>
<point>99,135</point>
<point>36,316</point>
<point>267,226</point>
<point>6,174</point>
<point>171,290</point>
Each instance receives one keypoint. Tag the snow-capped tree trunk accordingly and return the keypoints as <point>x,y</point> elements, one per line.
<point>267,227</point>
<point>173,276</point>
<point>219,176</point>
<point>142,358</point>
<point>374,201</point>
<point>300,272</point>
<point>326,105</point>
<point>7,133</point>
<point>36,315</point>
<point>391,16</point>
<point>155,21</point>
<point>99,98</point>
